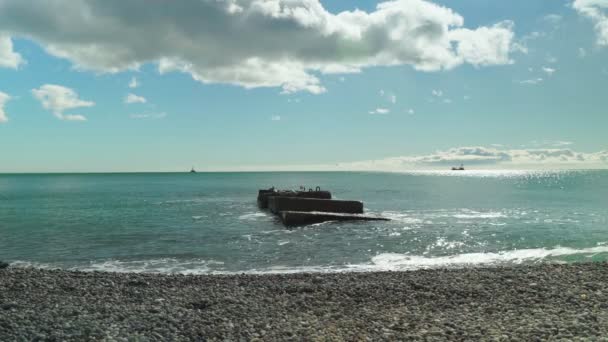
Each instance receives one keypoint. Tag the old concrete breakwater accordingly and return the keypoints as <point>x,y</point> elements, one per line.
<point>297,208</point>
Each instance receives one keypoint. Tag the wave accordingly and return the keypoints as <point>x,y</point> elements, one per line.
<point>380,262</point>
<point>161,266</point>
<point>476,215</point>
<point>395,261</point>
<point>253,216</point>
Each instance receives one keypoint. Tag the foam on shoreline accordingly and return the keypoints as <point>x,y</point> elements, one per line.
<point>380,262</point>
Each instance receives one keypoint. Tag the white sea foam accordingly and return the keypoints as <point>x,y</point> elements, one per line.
<point>164,265</point>
<point>380,262</point>
<point>252,216</point>
<point>401,217</point>
<point>479,215</point>
<point>394,261</point>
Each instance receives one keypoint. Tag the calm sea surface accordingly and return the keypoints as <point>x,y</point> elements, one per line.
<point>209,222</point>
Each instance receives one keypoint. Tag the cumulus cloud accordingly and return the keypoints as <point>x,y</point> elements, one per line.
<point>132,98</point>
<point>8,57</point>
<point>3,100</point>
<point>597,12</point>
<point>134,83</point>
<point>380,111</point>
<point>255,43</point>
<point>411,111</point>
<point>275,118</point>
<point>479,156</point>
<point>58,99</point>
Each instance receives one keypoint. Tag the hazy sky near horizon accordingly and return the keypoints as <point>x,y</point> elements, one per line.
<point>150,85</point>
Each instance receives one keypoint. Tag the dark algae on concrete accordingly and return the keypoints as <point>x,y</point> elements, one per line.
<point>525,303</point>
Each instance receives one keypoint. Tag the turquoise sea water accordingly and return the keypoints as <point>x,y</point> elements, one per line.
<point>210,223</point>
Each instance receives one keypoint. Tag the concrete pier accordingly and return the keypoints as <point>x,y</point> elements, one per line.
<point>300,218</point>
<point>298,208</point>
<point>279,204</point>
<point>264,195</point>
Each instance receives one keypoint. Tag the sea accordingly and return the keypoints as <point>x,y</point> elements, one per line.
<point>209,223</point>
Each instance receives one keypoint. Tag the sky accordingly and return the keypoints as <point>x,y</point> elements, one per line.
<point>239,85</point>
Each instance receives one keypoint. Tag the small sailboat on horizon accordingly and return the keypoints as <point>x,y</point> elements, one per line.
<point>192,170</point>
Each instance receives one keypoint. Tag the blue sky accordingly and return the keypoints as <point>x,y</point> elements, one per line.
<point>395,85</point>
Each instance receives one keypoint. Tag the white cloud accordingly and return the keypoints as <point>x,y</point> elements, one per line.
<point>149,116</point>
<point>380,111</point>
<point>392,99</point>
<point>448,101</point>
<point>132,98</point>
<point>466,97</point>
<point>550,143</point>
<point>255,43</point>
<point>8,57</point>
<point>58,99</point>
<point>4,98</point>
<point>522,44</point>
<point>551,59</point>
<point>597,12</point>
<point>532,81</point>
<point>486,45</point>
<point>134,83</point>
<point>381,92</point>
<point>275,118</point>
<point>482,157</point>
<point>411,111</point>
<point>553,18</point>
<point>549,71</point>
<point>437,93</point>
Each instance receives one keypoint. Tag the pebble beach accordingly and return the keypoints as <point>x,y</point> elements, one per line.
<point>543,302</point>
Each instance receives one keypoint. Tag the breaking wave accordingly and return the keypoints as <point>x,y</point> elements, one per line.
<point>380,262</point>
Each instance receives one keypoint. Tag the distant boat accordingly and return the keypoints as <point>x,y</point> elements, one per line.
<point>461,168</point>
<point>192,170</point>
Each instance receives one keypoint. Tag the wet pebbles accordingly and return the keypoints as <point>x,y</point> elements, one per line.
<point>544,302</point>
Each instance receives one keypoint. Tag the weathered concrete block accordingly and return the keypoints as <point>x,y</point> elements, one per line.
<point>263,195</point>
<point>279,204</point>
<point>299,218</point>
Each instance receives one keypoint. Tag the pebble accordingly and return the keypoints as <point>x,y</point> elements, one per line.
<point>505,303</point>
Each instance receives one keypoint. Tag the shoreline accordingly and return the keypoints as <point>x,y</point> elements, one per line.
<point>547,301</point>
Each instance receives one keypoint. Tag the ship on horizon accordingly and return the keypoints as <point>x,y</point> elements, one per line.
<point>460,168</point>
